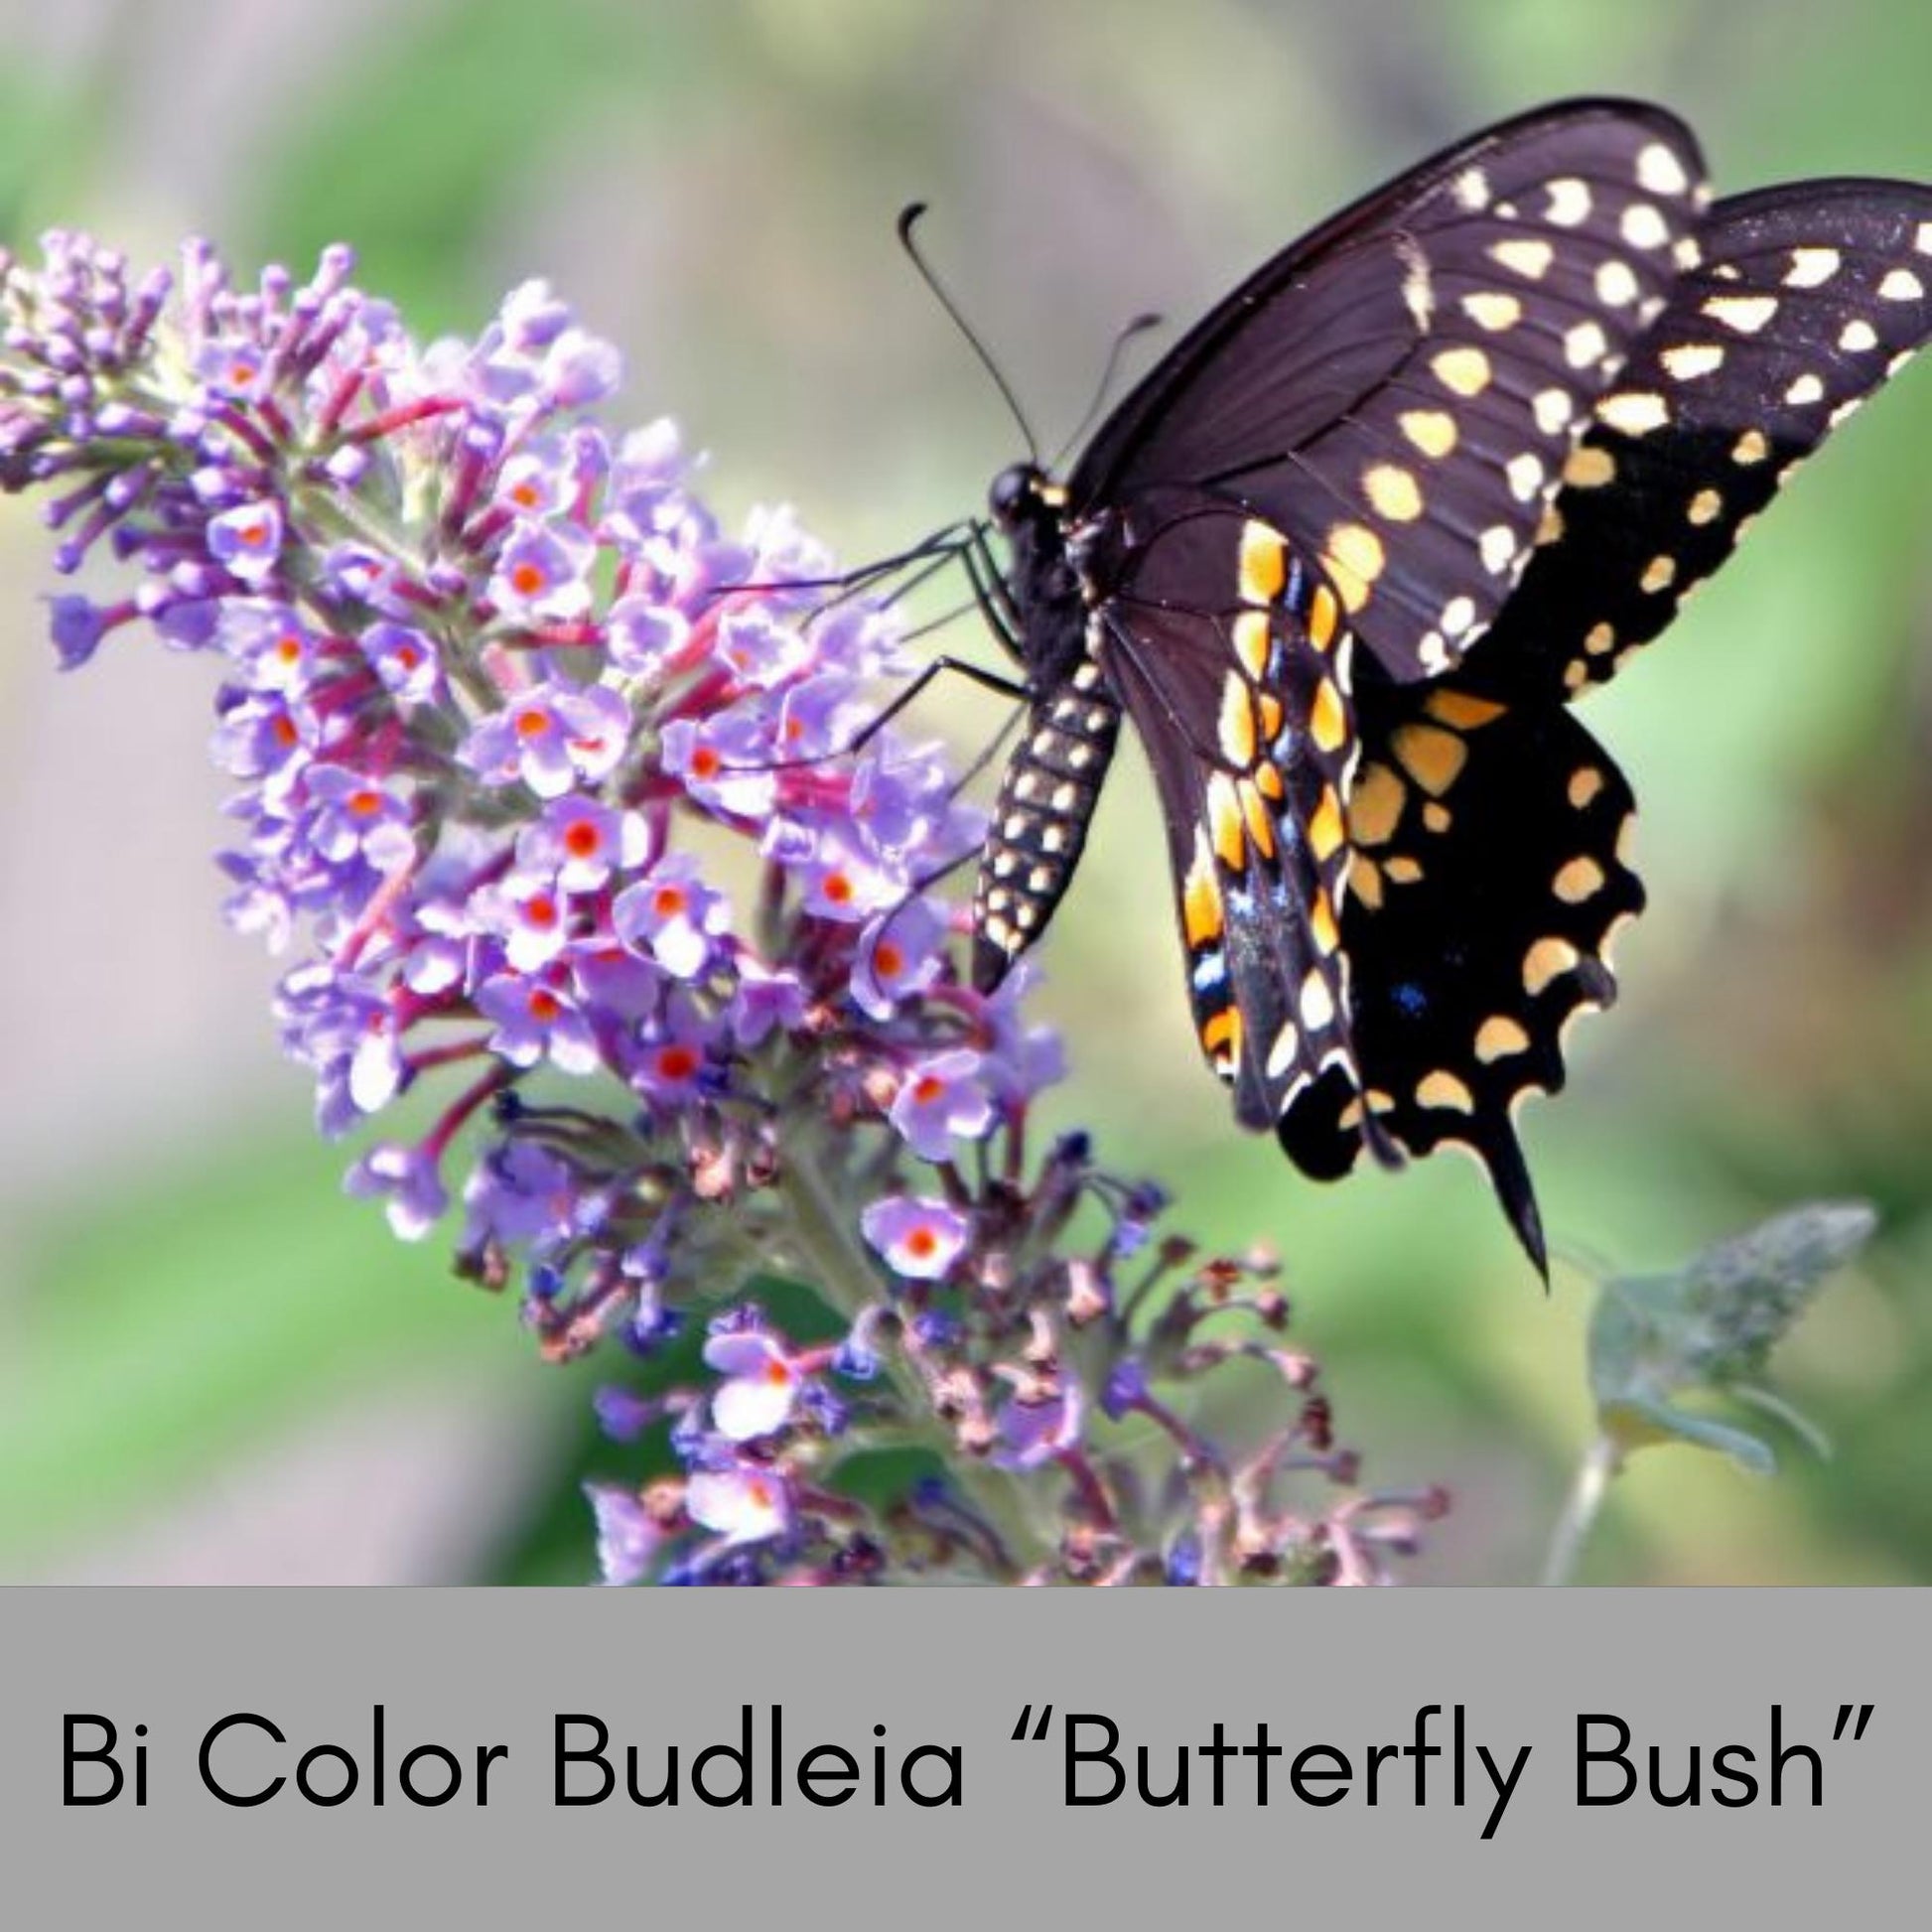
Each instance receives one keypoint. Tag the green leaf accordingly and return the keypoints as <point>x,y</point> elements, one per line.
<point>1706,1329</point>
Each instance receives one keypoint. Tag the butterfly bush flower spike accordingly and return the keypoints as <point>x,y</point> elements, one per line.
<point>607,950</point>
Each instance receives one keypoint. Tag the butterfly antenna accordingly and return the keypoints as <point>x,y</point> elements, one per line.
<point>1137,327</point>
<point>908,220</point>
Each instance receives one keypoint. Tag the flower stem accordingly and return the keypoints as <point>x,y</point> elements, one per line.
<point>843,1273</point>
<point>1600,1463</point>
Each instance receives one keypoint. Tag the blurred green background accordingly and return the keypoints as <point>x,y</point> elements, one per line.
<point>213,1367</point>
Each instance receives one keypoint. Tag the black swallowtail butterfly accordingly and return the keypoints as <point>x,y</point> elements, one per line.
<point>1346,554</point>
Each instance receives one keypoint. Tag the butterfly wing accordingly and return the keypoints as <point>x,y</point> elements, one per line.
<point>1233,660</point>
<point>1807,299</point>
<point>1486,884</point>
<point>1397,393</point>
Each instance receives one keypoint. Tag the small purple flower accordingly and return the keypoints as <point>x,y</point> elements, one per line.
<point>270,643</point>
<point>77,625</point>
<point>672,915</point>
<point>551,738</point>
<point>725,764</point>
<point>1024,1058</point>
<point>761,1384</point>
<point>247,539</point>
<point>672,1067</point>
<point>352,816</point>
<point>760,650</point>
<point>840,881</point>
<point>628,1536</point>
<point>1035,1428</point>
<point>405,659</point>
<point>900,955</point>
<point>622,1414</point>
<point>522,1192</point>
<point>742,1503</point>
<point>580,842</point>
<point>918,1238</point>
<point>537,1020</point>
<point>542,574</point>
<point>532,484</point>
<point>532,918</point>
<point>644,635</point>
<point>767,997</point>
<point>942,1098</point>
<point>408,1182</point>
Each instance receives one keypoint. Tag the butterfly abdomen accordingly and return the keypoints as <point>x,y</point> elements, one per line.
<point>1040,824</point>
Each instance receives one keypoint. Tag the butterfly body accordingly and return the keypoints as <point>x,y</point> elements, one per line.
<point>1346,554</point>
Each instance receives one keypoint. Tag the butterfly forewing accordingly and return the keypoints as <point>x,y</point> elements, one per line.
<point>1487,880</point>
<point>1807,298</point>
<point>1233,660</point>
<point>1397,394</point>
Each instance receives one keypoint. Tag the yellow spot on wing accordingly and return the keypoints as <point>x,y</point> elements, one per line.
<point>1224,823</point>
<point>1460,709</point>
<point>1325,828</point>
<point>1238,726</point>
<point>1375,805</point>
<point>1811,267</point>
<point>1201,901</point>
<point>1441,1089</point>
<point>1432,431</point>
<point>1546,960</point>
<point>1252,642</point>
<point>1365,883</point>
<point>1578,880</point>
<point>1328,720</point>
<point>1745,314</point>
<point>1392,492</point>
<point>1433,757</point>
<point>1634,412</point>
<point>1220,1033</point>
<point>1585,784</point>
<point>1270,708</point>
<point>1318,1004</point>
<point>1268,781</point>
<point>1590,468</point>
<point>1492,311</point>
<point>1498,1036</point>
<point>1263,563</point>
<point>1324,617</point>
<point>1689,361</point>
<point>1322,922</point>
<point>1523,256</point>
<point>1261,823</point>
<point>1464,370</point>
<point>1354,558</point>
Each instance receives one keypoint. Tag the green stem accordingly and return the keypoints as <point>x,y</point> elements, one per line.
<point>1600,1463</point>
<point>843,1271</point>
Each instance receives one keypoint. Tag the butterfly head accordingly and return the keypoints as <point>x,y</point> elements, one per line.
<point>1022,493</point>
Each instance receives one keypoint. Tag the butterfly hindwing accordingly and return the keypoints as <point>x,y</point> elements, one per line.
<point>1806,299</point>
<point>1232,659</point>
<point>1486,884</point>
<point>1397,392</point>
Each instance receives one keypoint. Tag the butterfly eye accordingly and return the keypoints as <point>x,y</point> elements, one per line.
<point>1013,488</point>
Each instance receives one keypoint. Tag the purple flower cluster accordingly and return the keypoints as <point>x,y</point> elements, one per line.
<point>493,686</point>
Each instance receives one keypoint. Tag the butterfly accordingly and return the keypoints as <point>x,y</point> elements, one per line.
<point>1344,556</point>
